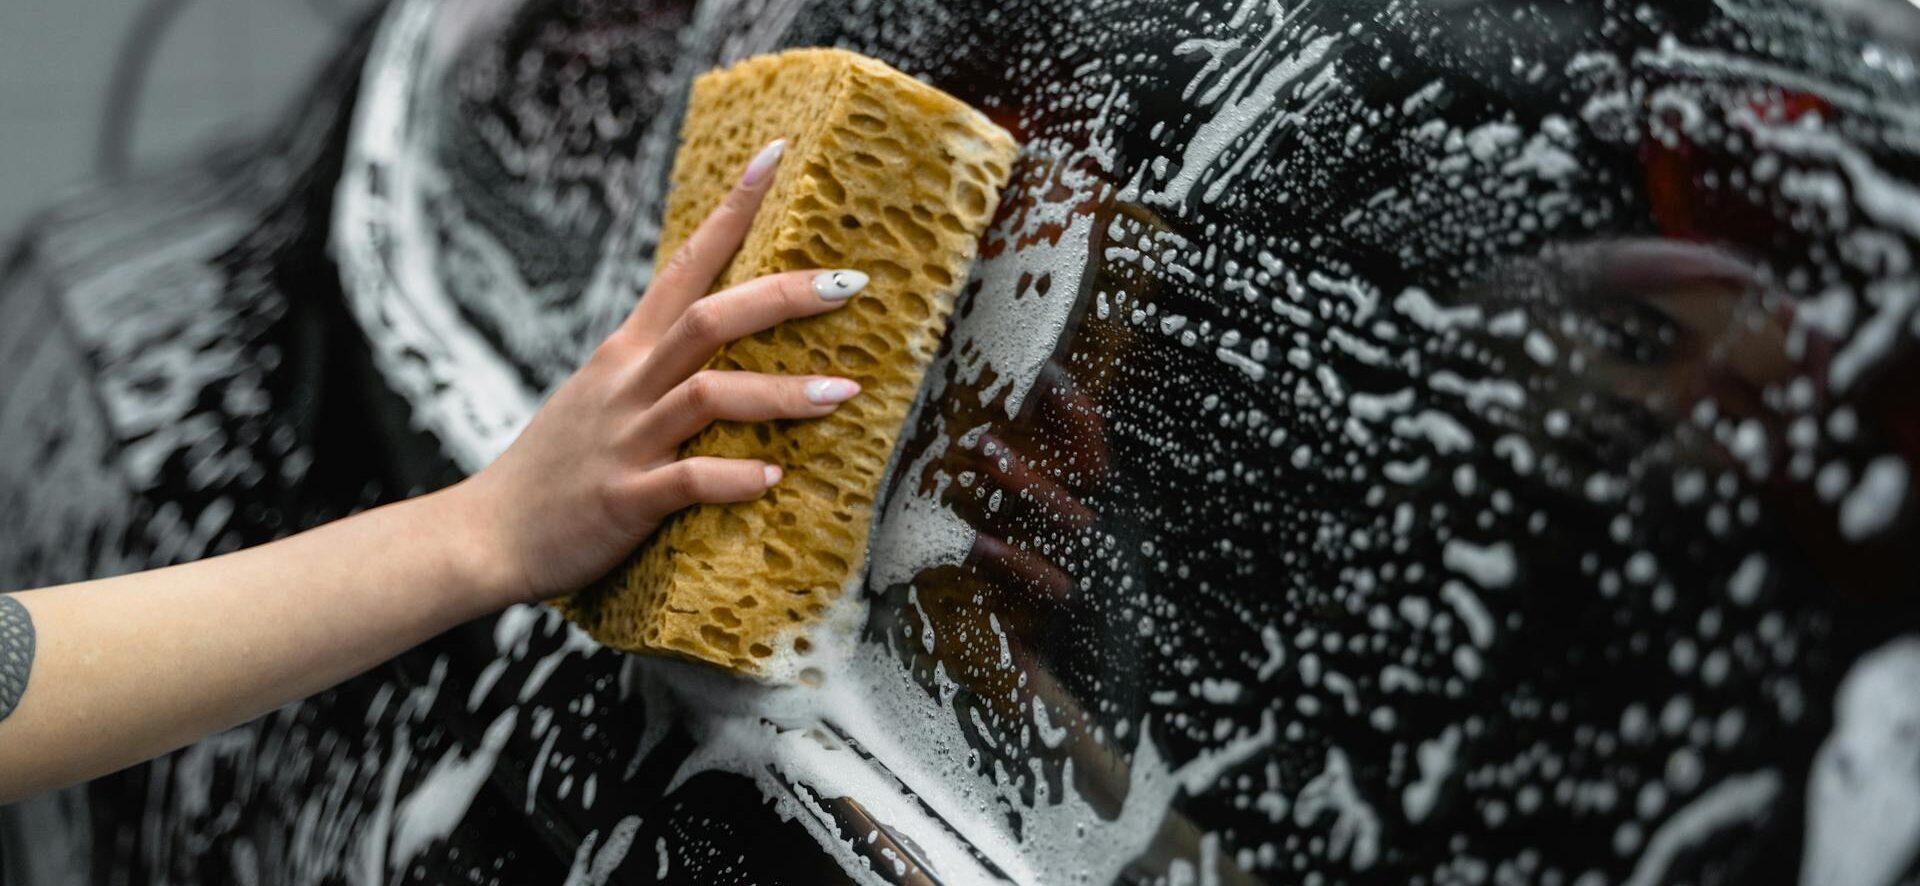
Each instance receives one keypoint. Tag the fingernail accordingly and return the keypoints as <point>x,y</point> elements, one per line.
<point>772,474</point>
<point>824,391</point>
<point>838,285</point>
<point>763,162</point>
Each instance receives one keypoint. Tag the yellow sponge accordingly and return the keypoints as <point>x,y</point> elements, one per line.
<point>882,174</point>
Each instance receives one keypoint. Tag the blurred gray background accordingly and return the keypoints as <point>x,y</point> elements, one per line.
<point>215,68</point>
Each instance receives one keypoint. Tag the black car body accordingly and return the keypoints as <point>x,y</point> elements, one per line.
<point>1392,441</point>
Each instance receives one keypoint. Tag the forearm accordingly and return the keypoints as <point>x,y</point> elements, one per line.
<point>128,668</point>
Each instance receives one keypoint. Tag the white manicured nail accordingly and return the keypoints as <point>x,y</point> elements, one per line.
<point>824,391</point>
<point>763,162</point>
<point>838,285</point>
<point>772,474</point>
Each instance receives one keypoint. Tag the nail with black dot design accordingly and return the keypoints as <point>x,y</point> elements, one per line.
<point>838,285</point>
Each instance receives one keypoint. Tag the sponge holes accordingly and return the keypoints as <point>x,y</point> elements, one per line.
<point>825,183</point>
<point>970,199</point>
<point>854,357</point>
<point>903,223</point>
<point>824,253</point>
<point>888,272</point>
<point>865,122</point>
<point>940,276</point>
<point>718,638</point>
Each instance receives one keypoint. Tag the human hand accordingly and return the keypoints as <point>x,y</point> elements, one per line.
<point>597,469</point>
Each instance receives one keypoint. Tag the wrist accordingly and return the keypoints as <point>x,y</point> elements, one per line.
<point>466,550</point>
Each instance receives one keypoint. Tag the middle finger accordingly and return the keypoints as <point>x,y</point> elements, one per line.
<point>712,322</point>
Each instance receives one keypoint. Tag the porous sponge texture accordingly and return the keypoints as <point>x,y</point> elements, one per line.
<point>882,174</point>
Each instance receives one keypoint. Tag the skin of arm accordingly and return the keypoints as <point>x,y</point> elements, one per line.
<point>120,670</point>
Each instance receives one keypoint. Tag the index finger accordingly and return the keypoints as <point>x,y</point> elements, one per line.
<point>690,272</point>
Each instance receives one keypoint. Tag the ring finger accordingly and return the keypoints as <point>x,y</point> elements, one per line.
<point>713,395</point>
